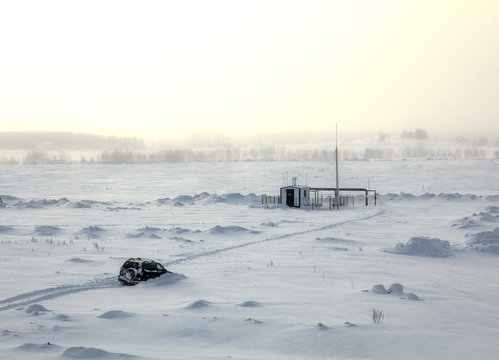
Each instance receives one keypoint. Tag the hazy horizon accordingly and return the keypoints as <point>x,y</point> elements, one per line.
<point>163,70</point>
<point>307,136</point>
<point>69,148</point>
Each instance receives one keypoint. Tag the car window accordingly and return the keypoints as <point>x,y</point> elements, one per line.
<point>149,266</point>
<point>160,267</point>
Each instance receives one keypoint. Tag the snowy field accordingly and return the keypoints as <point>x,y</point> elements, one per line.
<point>250,282</point>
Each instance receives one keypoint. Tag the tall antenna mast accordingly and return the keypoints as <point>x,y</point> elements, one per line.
<point>337,192</point>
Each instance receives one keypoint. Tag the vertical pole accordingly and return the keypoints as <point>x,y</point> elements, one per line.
<point>337,191</point>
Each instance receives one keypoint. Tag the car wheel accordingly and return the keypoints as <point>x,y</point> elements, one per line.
<point>130,275</point>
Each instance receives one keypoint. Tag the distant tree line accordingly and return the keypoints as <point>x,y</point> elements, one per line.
<point>267,153</point>
<point>45,148</point>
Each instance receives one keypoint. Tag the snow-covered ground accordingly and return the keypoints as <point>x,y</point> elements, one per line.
<point>250,282</point>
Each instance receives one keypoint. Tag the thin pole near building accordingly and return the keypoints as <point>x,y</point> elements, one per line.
<point>337,191</point>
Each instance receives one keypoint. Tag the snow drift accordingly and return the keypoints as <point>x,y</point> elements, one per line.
<point>485,241</point>
<point>423,246</point>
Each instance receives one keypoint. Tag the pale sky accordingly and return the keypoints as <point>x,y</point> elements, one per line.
<point>163,68</point>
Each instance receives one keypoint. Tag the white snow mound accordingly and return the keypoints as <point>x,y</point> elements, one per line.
<point>115,314</point>
<point>379,289</point>
<point>47,230</point>
<point>35,309</point>
<point>394,289</point>
<point>486,241</point>
<point>81,352</point>
<point>226,229</point>
<point>489,215</point>
<point>250,303</point>
<point>423,246</point>
<point>199,304</point>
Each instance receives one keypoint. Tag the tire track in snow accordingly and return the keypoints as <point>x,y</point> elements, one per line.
<point>279,237</point>
<point>110,282</point>
<point>53,292</point>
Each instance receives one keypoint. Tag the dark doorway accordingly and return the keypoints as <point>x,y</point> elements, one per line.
<point>290,197</point>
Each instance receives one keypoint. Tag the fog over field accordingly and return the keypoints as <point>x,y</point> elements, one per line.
<point>63,147</point>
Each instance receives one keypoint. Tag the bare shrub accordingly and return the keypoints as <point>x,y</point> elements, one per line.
<point>378,316</point>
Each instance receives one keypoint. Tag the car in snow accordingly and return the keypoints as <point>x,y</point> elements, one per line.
<point>135,270</point>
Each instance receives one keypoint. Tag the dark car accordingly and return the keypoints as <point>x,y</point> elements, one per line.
<point>135,270</point>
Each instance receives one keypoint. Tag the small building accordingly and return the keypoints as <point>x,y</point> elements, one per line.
<point>299,196</point>
<point>295,195</point>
